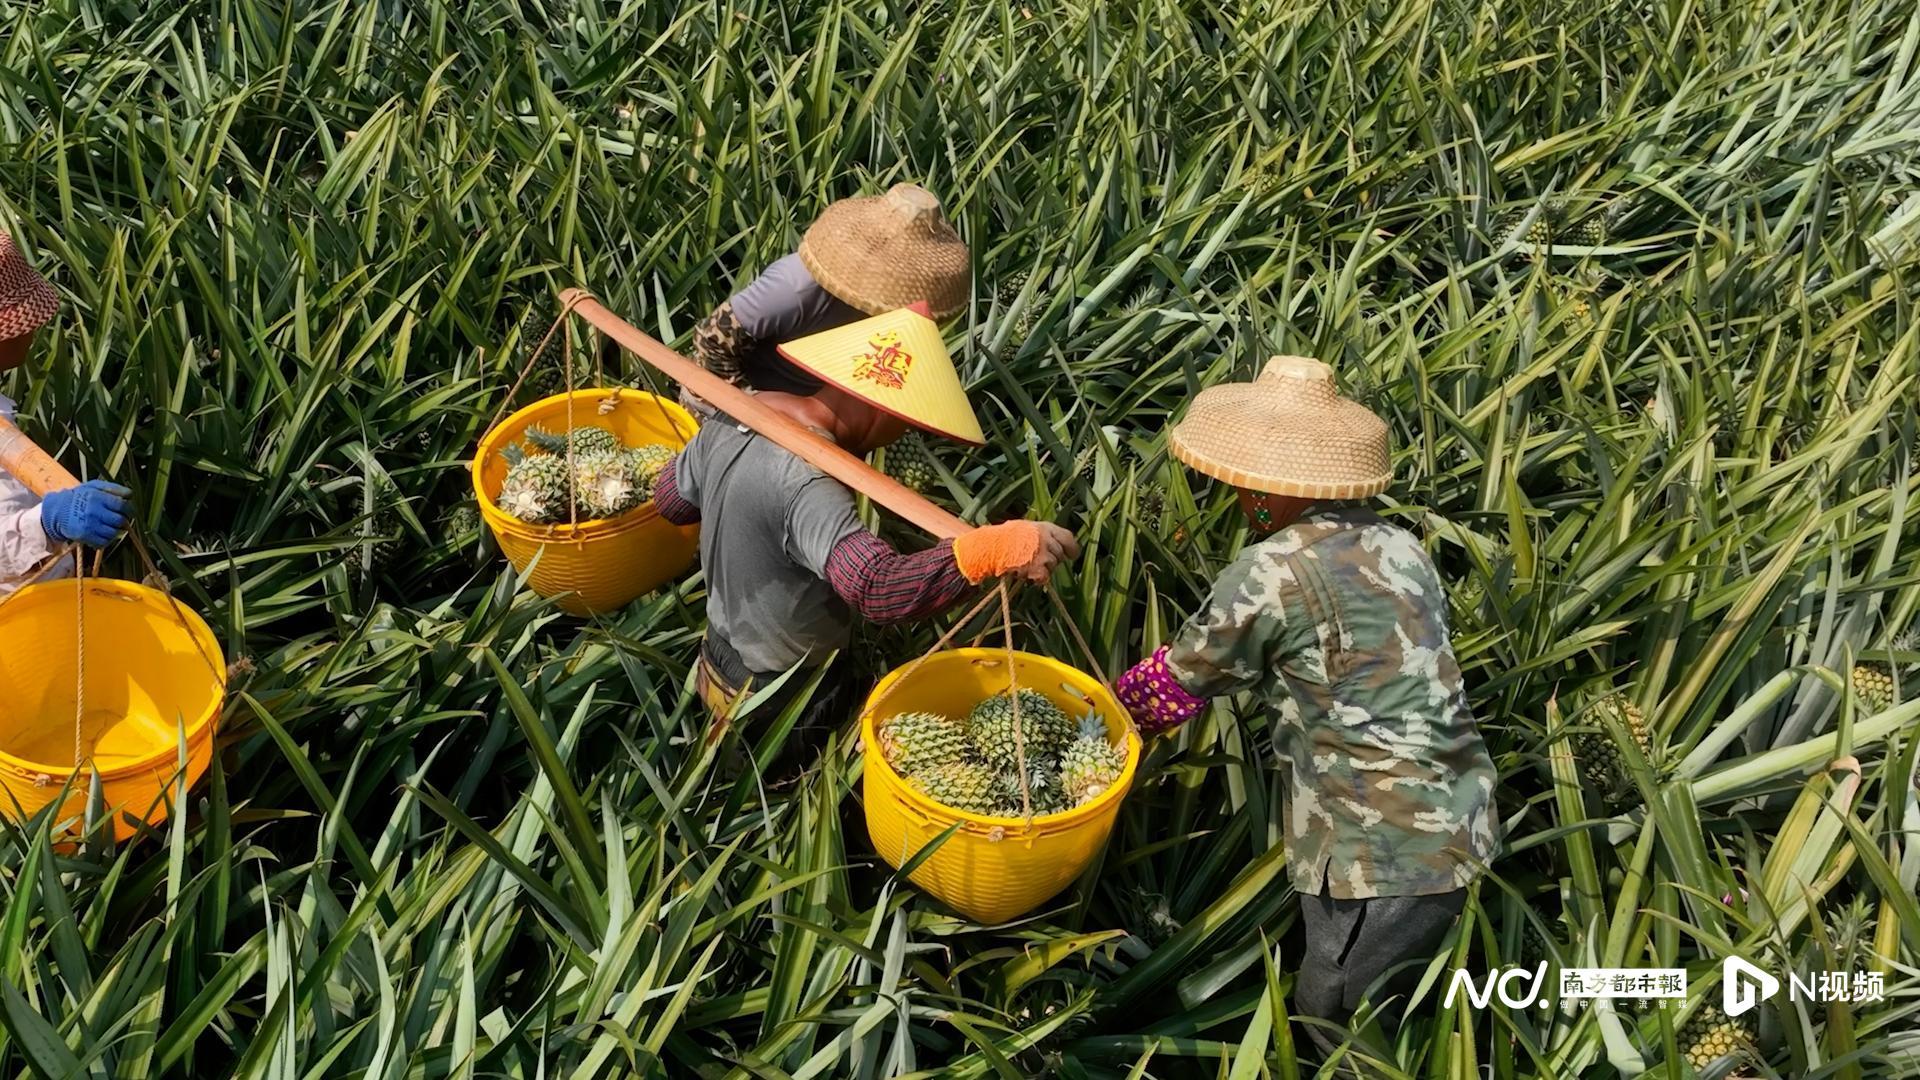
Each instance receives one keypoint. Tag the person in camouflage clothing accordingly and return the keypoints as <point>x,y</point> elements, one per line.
<point>863,256</point>
<point>1337,621</point>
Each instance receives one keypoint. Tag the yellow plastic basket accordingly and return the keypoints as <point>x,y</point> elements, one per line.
<point>601,565</point>
<point>147,680</point>
<point>994,868</point>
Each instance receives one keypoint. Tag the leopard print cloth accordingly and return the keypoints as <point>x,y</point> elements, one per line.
<point>720,346</point>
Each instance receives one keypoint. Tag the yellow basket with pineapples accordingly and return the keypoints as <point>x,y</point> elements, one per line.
<point>996,866</point>
<point>596,564</point>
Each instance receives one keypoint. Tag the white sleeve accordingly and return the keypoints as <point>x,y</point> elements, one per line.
<point>23,543</point>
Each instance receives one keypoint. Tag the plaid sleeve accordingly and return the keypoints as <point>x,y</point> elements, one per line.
<point>888,587</point>
<point>668,500</point>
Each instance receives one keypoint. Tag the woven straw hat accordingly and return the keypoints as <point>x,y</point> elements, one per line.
<point>1288,432</point>
<point>895,362</point>
<point>27,302</point>
<point>880,253</point>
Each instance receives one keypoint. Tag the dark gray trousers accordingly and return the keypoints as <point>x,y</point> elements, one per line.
<point>1353,947</point>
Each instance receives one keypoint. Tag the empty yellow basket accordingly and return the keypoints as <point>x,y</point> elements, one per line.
<point>152,677</point>
<point>994,868</point>
<point>592,566</point>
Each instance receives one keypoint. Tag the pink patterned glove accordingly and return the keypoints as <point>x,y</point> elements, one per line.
<point>1154,697</point>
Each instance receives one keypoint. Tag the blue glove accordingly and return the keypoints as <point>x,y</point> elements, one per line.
<point>93,513</point>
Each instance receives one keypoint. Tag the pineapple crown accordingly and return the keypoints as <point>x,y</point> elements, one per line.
<point>1907,640</point>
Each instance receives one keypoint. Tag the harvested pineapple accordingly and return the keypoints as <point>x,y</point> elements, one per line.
<point>645,464</point>
<point>536,488</point>
<point>1044,792</point>
<point>921,740</point>
<point>585,473</point>
<point>585,440</point>
<point>1067,763</point>
<point>967,786</point>
<point>1044,730</point>
<point>1091,762</point>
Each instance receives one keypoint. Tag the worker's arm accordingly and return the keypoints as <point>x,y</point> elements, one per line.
<point>887,587</point>
<point>670,501</point>
<point>823,534</point>
<point>1257,616</point>
<point>24,543</point>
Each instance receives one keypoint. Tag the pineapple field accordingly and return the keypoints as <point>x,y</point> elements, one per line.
<point>1634,282</point>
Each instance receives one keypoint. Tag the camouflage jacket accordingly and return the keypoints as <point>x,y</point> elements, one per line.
<point>1339,623</point>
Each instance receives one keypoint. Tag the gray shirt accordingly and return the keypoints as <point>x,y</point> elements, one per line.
<point>782,304</point>
<point>768,522</point>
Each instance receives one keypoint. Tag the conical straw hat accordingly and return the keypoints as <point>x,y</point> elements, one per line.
<point>880,253</point>
<point>27,302</point>
<point>1288,432</point>
<point>896,362</point>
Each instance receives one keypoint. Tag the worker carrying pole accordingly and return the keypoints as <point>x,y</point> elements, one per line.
<point>43,508</point>
<point>787,563</point>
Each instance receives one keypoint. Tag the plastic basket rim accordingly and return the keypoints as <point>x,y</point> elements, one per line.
<point>1013,827</point>
<point>580,530</point>
<point>198,730</point>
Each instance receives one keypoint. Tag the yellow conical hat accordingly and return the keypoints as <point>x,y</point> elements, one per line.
<point>896,362</point>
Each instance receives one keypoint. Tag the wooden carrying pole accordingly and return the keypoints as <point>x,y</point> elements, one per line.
<point>822,454</point>
<point>31,465</point>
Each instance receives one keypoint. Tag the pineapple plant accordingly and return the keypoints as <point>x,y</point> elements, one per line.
<point>603,483</point>
<point>1085,464</point>
<point>547,372</point>
<point>1592,232</point>
<point>916,741</point>
<point>911,461</point>
<point>1044,730</point>
<point>1091,763</point>
<point>1151,502</point>
<point>376,528</point>
<point>461,523</point>
<point>1263,180</point>
<point>1873,679</point>
<point>1545,224</point>
<point>536,488</point>
<point>1873,685</point>
<point>1009,289</point>
<point>967,786</point>
<point>1710,1034</point>
<point>1602,765</point>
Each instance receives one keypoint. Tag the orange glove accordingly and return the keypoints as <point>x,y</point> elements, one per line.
<point>1028,548</point>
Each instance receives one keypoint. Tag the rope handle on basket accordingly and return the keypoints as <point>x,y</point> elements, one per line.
<point>533,355</point>
<point>1093,661</point>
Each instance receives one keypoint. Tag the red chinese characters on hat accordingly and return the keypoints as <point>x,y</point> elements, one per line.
<point>884,363</point>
